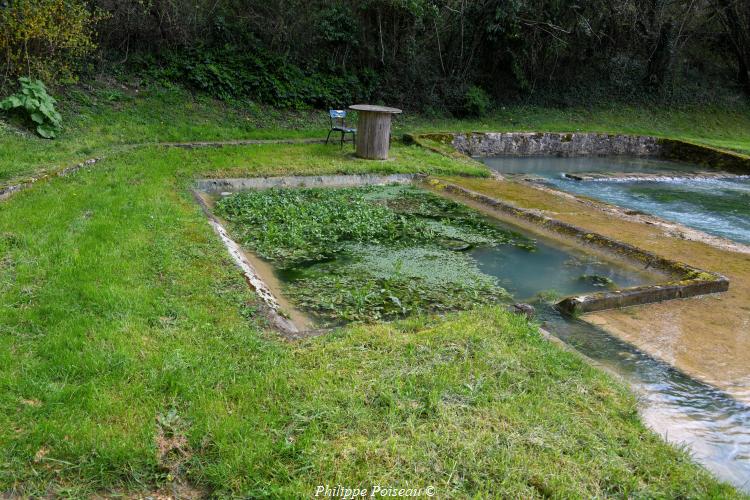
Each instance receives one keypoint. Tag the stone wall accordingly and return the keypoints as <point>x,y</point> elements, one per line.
<point>535,143</point>
<point>580,144</point>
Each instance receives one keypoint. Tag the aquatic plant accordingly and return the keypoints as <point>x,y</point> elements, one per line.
<point>294,226</point>
<point>344,294</point>
<point>370,253</point>
<point>432,266</point>
<point>598,280</point>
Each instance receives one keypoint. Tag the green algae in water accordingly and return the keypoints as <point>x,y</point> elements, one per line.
<point>374,283</point>
<point>355,295</point>
<point>370,253</point>
<point>291,227</point>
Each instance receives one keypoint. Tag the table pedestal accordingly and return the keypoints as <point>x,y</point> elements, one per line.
<point>373,135</point>
<point>373,131</point>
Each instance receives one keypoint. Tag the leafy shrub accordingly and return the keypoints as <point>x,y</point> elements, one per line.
<point>239,72</point>
<point>46,39</point>
<point>477,102</point>
<point>37,105</point>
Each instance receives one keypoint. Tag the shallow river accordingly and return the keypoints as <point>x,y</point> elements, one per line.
<point>715,426</point>
<point>716,206</point>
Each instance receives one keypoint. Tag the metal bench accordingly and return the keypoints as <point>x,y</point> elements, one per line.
<point>338,124</point>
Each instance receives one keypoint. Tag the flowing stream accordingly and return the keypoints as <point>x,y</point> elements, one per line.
<point>718,206</point>
<point>713,425</point>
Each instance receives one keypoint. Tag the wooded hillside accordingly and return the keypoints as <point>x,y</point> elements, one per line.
<point>443,55</point>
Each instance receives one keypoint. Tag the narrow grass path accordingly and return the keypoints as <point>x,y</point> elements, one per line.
<point>132,357</point>
<point>106,121</point>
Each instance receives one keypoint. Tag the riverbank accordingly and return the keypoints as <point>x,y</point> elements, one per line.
<point>704,337</point>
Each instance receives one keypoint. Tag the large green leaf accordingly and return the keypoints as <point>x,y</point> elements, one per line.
<point>11,102</point>
<point>39,105</point>
<point>46,131</point>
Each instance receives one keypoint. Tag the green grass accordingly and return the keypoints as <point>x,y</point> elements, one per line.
<point>124,327</point>
<point>132,353</point>
<point>108,118</point>
<point>719,127</point>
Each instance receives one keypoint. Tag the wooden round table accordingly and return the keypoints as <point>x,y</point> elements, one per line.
<point>373,130</point>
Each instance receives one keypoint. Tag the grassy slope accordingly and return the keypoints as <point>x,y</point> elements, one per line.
<point>117,304</point>
<point>106,121</point>
<point>109,118</point>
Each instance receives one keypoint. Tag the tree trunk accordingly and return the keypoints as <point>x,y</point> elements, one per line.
<point>661,62</point>
<point>737,25</point>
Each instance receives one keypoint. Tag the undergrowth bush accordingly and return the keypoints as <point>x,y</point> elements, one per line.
<point>477,102</point>
<point>36,105</point>
<point>47,39</point>
<point>239,72</point>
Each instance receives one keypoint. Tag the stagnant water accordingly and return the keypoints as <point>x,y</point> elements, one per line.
<point>554,271</point>
<point>716,206</point>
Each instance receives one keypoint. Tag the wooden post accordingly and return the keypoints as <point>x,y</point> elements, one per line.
<point>373,131</point>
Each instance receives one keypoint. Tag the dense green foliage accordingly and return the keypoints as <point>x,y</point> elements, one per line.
<point>370,253</point>
<point>294,226</point>
<point>36,105</point>
<point>46,39</point>
<point>450,56</point>
<point>234,72</point>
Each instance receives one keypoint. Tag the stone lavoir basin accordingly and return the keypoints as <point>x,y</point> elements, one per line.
<point>352,250</point>
<point>445,248</point>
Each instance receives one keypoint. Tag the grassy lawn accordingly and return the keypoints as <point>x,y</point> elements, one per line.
<point>110,119</point>
<point>132,356</point>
